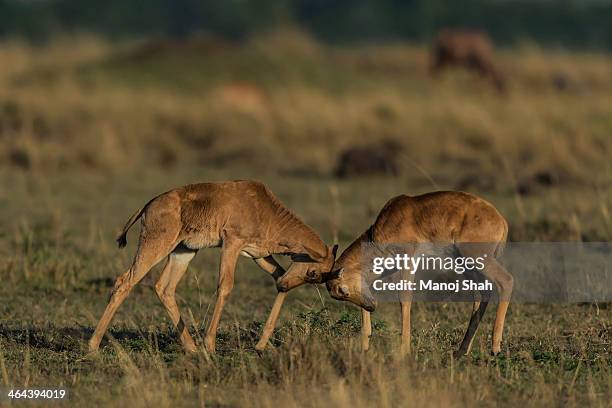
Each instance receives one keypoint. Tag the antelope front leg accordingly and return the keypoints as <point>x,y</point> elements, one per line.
<point>405,342</point>
<point>275,270</point>
<point>366,330</point>
<point>478,310</point>
<point>405,300</point>
<point>229,256</point>
<point>270,265</point>
<point>271,322</point>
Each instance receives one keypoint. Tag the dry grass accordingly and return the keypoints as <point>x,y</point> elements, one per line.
<point>90,130</point>
<point>300,103</point>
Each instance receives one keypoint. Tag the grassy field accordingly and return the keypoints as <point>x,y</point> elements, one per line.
<point>89,131</point>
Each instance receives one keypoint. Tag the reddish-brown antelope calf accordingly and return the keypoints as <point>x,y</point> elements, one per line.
<point>241,217</point>
<point>446,217</point>
<point>470,49</point>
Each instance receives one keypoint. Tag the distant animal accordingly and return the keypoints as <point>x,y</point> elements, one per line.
<point>379,158</point>
<point>563,82</point>
<point>560,81</point>
<point>470,49</point>
<point>243,96</point>
<point>243,218</point>
<point>439,217</point>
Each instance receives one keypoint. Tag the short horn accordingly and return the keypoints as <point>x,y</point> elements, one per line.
<point>327,276</point>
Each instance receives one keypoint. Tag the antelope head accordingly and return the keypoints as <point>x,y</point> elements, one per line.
<point>308,267</point>
<point>347,284</point>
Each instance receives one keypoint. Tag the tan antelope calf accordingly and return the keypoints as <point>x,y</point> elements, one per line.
<point>445,217</point>
<point>241,217</point>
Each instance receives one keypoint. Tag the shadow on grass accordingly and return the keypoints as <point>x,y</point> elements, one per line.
<point>75,338</point>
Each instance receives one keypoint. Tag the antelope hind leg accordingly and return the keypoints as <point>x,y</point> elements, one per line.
<point>178,261</point>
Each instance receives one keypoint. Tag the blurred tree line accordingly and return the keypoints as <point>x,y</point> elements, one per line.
<point>570,23</point>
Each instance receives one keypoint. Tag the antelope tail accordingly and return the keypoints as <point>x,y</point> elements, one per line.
<point>122,238</point>
<point>502,244</point>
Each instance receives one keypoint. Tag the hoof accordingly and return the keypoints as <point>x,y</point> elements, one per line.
<point>93,348</point>
<point>90,356</point>
<point>209,346</point>
<point>191,349</point>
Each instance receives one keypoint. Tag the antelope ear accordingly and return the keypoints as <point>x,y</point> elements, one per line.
<point>315,255</point>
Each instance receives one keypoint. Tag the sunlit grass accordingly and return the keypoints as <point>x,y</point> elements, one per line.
<point>90,130</point>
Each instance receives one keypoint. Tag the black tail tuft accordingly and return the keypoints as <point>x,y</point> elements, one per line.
<point>122,240</point>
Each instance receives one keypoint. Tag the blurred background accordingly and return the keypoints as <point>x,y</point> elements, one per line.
<point>337,106</point>
<point>234,81</point>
